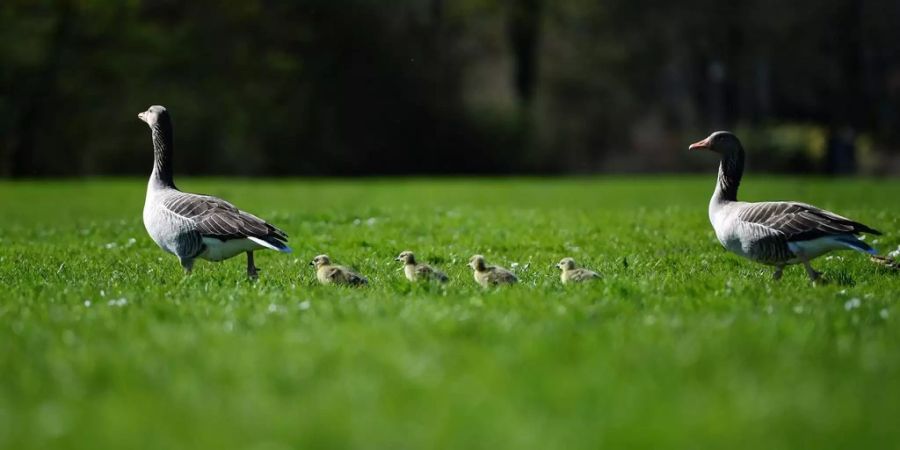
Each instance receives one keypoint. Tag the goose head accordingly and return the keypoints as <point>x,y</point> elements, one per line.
<point>154,115</point>
<point>721,142</point>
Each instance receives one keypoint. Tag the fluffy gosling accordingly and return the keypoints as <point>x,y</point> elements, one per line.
<point>487,276</point>
<point>327,273</point>
<point>419,272</point>
<point>574,274</point>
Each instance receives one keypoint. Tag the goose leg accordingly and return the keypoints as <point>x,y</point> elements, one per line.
<point>187,264</point>
<point>779,270</point>
<point>813,275</point>
<point>252,272</point>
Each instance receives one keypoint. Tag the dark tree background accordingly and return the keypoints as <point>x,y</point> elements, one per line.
<point>441,86</point>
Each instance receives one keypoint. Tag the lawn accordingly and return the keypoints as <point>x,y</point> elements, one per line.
<point>105,344</point>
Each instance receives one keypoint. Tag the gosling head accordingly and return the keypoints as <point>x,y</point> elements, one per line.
<point>319,261</point>
<point>406,257</point>
<point>566,264</point>
<point>476,262</point>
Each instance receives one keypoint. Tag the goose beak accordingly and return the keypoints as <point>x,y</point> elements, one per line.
<point>312,263</point>
<point>700,145</point>
<point>141,115</point>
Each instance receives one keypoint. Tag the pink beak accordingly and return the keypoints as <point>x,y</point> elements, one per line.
<point>700,145</point>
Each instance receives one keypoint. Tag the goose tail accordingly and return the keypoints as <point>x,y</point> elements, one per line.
<point>271,243</point>
<point>854,243</point>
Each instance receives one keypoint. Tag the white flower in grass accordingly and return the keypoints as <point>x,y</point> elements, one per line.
<point>304,305</point>
<point>852,304</point>
<point>884,313</point>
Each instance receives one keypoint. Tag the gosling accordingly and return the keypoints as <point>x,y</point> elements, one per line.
<point>572,273</point>
<point>327,273</point>
<point>419,272</point>
<point>487,276</point>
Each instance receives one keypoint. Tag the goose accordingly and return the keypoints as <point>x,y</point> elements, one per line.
<point>416,272</point>
<point>773,233</point>
<point>328,273</point>
<point>487,276</point>
<point>192,226</point>
<point>572,273</point>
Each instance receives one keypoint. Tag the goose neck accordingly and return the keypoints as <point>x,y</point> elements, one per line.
<point>162,175</point>
<point>731,169</point>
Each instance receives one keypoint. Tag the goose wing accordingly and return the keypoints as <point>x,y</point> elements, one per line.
<point>217,218</point>
<point>501,275</point>
<point>350,277</point>
<point>584,274</point>
<point>426,271</point>
<point>800,221</point>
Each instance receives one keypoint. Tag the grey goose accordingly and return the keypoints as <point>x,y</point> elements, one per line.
<point>419,272</point>
<point>773,233</point>
<point>328,273</point>
<point>487,276</point>
<point>192,226</point>
<point>571,273</point>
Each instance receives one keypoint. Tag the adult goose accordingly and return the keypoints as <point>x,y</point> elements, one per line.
<point>773,233</point>
<point>192,226</point>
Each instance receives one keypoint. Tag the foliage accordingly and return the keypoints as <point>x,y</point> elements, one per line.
<point>360,87</point>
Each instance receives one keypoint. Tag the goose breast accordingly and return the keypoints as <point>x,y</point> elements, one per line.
<point>171,232</point>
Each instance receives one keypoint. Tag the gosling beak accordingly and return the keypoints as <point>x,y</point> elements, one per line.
<point>700,145</point>
<point>141,115</point>
<point>312,263</point>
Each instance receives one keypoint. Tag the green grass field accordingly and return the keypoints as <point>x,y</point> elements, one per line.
<point>105,344</point>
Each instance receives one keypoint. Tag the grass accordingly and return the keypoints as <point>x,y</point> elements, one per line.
<point>104,344</point>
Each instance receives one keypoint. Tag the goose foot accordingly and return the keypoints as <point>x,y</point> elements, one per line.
<point>252,271</point>
<point>779,271</point>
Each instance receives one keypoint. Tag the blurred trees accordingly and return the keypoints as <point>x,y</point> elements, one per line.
<point>436,86</point>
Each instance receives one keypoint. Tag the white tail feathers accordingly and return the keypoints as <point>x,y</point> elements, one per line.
<point>266,244</point>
